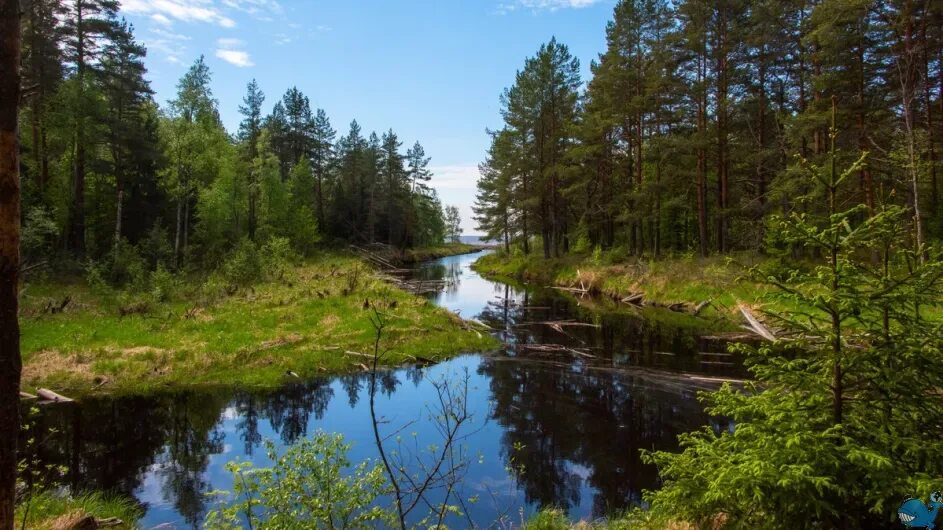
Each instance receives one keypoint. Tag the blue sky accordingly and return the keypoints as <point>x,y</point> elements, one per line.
<point>431,70</point>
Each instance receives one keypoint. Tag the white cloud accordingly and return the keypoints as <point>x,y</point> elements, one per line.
<point>235,57</point>
<point>161,19</point>
<point>229,43</point>
<point>170,43</point>
<point>545,5</point>
<point>454,177</point>
<point>182,10</point>
<point>254,7</point>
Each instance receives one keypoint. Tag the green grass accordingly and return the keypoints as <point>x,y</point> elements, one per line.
<point>306,323</point>
<point>50,510</point>
<point>686,279</point>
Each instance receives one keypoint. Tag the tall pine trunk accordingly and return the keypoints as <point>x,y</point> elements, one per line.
<point>10,363</point>
<point>77,218</point>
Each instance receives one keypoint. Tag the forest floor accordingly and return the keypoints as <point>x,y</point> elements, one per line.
<point>316,319</point>
<point>686,280</point>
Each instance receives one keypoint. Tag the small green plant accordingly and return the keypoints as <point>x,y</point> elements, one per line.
<point>277,257</point>
<point>163,284</point>
<point>311,485</point>
<point>244,264</point>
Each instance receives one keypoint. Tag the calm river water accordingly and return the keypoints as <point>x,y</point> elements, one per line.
<point>573,423</point>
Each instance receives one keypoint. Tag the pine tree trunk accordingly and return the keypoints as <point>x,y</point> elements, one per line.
<point>77,224</point>
<point>722,164</point>
<point>118,204</point>
<point>701,155</point>
<point>10,362</point>
<point>177,232</point>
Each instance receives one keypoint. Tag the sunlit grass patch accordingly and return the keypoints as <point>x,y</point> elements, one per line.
<point>303,324</point>
<point>53,511</point>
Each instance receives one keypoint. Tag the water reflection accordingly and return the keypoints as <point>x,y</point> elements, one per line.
<point>558,430</point>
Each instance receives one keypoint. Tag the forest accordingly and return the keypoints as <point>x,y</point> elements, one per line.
<point>111,178</point>
<point>690,131</point>
<point>713,298</point>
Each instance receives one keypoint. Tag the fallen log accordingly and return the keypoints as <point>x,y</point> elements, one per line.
<point>700,307</point>
<point>634,299</point>
<point>49,395</point>
<point>754,324</point>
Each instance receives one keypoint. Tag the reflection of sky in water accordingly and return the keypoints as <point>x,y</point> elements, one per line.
<point>469,293</point>
<point>578,429</point>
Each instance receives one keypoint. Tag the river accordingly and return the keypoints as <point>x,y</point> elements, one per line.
<point>559,424</point>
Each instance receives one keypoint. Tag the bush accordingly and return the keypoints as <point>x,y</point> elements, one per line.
<point>163,284</point>
<point>277,257</point>
<point>312,485</point>
<point>39,234</point>
<point>243,265</point>
<point>155,247</point>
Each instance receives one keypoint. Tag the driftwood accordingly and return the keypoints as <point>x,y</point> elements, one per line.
<point>554,348</point>
<point>49,395</point>
<point>634,299</point>
<point>557,323</point>
<point>754,324</point>
<point>700,307</point>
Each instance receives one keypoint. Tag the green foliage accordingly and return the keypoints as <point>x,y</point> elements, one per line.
<point>47,506</point>
<point>38,236</point>
<point>843,420</point>
<point>244,264</point>
<point>312,485</point>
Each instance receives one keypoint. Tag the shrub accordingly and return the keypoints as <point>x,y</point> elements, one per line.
<point>277,257</point>
<point>312,485</point>
<point>163,284</point>
<point>243,265</point>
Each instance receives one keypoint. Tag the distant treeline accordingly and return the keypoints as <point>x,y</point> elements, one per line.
<point>105,170</point>
<point>688,135</point>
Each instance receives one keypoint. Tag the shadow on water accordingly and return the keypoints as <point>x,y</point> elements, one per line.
<point>551,428</point>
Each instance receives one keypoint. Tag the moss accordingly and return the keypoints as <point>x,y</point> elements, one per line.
<point>306,323</point>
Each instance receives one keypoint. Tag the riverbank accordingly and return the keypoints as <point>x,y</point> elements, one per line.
<point>688,281</point>
<point>313,320</point>
<point>56,510</point>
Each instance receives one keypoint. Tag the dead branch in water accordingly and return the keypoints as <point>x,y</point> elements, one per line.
<point>754,324</point>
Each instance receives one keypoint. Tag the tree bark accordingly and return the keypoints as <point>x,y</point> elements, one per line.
<point>10,363</point>
<point>77,217</point>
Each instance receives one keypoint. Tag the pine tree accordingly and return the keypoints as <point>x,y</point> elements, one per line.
<point>42,56</point>
<point>127,94</point>
<point>10,363</point>
<point>394,178</point>
<point>88,25</point>
<point>322,160</point>
<point>250,128</point>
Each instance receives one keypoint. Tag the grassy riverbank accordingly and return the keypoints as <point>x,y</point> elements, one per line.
<point>209,332</point>
<point>52,511</point>
<point>688,280</point>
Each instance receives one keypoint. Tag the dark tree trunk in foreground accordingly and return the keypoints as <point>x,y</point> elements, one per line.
<point>9,255</point>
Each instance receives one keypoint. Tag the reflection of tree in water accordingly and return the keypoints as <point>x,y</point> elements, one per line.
<point>193,435</point>
<point>572,425</point>
<point>577,426</point>
<point>617,337</point>
<point>289,410</point>
<point>450,271</point>
<point>248,424</point>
